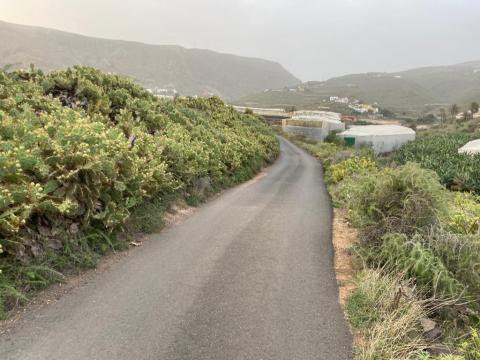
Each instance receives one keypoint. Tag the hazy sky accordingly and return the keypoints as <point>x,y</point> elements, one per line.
<point>314,39</point>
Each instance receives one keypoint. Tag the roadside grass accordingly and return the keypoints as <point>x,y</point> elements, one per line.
<point>387,313</point>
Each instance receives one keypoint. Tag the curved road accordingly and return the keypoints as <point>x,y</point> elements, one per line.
<point>247,276</point>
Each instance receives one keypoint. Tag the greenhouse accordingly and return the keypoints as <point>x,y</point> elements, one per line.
<point>470,148</point>
<point>314,129</point>
<point>383,138</point>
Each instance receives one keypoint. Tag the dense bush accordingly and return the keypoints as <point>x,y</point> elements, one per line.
<point>418,262</point>
<point>402,199</point>
<point>356,165</point>
<point>440,154</point>
<point>80,150</point>
<point>464,213</point>
<point>459,253</point>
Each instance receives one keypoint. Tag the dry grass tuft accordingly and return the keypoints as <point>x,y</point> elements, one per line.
<point>387,313</point>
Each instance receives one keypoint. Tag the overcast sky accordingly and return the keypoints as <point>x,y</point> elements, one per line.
<point>314,39</point>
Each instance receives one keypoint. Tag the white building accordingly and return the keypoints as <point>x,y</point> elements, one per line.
<point>343,100</point>
<point>325,122</point>
<point>315,115</point>
<point>383,138</point>
<point>358,108</point>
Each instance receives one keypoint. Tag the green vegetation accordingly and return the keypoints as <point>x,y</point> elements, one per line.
<point>394,200</point>
<point>350,167</point>
<point>424,238</point>
<point>385,311</point>
<point>440,154</point>
<point>464,214</point>
<point>85,154</point>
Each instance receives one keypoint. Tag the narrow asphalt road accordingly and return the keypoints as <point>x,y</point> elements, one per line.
<point>248,276</point>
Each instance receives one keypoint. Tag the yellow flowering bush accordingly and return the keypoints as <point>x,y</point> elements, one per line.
<point>349,167</point>
<point>464,213</point>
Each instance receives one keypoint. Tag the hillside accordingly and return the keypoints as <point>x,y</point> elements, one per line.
<point>449,84</point>
<point>404,91</point>
<point>189,71</point>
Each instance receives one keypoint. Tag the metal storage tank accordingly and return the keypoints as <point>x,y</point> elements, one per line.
<point>383,138</point>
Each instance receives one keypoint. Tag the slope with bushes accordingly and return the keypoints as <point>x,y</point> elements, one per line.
<point>412,92</point>
<point>419,244</point>
<point>82,153</point>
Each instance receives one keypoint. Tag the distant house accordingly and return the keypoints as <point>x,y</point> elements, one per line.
<point>364,108</point>
<point>343,100</point>
<point>333,98</point>
<point>358,108</point>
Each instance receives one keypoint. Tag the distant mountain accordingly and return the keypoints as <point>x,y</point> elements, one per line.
<point>449,84</point>
<point>190,71</point>
<point>410,91</point>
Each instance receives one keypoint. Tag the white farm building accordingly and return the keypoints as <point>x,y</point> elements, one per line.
<point>383,138</point>
<point>313,124</point>
<point>311,115</point>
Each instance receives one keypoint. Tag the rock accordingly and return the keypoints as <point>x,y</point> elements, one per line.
<point>44,230</point>
<point>55,244</point>
<point>431,330</point>
<point>37,250</point>
<point>427,324</point>
<point>74,228</point>
<point>433,334</point>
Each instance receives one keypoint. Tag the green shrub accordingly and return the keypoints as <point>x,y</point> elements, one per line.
<point>81,150</point>
<point>329,153</point>
<point>459,253</point>
<point>403,200</point>
<point>354,166</point>
<point>471,347</point>
<point>464,213</point>
<point>417,262</point>
<point>333,138</point>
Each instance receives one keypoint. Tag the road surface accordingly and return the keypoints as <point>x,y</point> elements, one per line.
<point>248,276</point>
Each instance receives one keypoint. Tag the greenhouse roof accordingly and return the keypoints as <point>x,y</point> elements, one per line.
<point>378,130</point>
<point>472,147</point>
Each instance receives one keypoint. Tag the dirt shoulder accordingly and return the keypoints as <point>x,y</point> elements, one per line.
<point>344,237</point>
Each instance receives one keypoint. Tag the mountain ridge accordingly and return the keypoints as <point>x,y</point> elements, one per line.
<point>190,71</point>
<point>413,90</point>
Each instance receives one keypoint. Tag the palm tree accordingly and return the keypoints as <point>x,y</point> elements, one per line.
<point>443,115</point>
<point>454,110</point>
<point>474,107</point>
